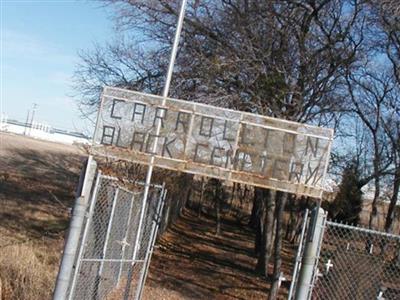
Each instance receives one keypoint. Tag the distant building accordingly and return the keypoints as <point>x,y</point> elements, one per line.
<point>42,131</point>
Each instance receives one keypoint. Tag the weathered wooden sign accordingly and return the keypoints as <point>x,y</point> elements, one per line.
<point>212,141</point>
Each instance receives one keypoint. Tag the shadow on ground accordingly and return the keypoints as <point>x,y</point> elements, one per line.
<point>194,262</point>
<point>37,191</point>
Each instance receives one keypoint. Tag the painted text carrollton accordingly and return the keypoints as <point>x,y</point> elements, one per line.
<point>207,140</point>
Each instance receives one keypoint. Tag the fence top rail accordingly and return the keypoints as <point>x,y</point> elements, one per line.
<point>158,186</point>
<point>119,187</point>
<point>366,230</point>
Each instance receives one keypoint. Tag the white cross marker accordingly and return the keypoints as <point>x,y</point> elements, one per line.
<point>380,296</point>
<point>319,274</point>
<point>123,242</point>
<point>281,278</point>
<point>328,266</point>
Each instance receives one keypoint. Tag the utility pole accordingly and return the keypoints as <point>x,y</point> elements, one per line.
<point>34,106</point>
<point>27,121</point>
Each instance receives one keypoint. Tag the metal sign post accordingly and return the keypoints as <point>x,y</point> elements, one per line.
<point>154,148</point>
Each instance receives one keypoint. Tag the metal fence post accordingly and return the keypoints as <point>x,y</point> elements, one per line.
<point>150,247</point>
<point>72,241</point>
<point>85,232</point>
<point>110,222</point>
<point>298,255</point>
<point>311,254</point>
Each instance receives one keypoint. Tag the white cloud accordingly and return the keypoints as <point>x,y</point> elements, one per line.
<point>20,45</point>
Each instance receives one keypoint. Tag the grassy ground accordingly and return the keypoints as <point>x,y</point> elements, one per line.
<point>37,182</point>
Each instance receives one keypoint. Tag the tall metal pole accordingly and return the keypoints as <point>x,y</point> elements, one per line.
<point>311,254</point>
<point>154,148</point>
<point>84,235</point>
<point>298,255</point>
<point>75,228</point>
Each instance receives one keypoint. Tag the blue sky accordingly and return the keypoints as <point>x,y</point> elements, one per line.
<point>39,45</point>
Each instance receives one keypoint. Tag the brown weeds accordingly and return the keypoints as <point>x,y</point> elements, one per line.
<point>27,272</point>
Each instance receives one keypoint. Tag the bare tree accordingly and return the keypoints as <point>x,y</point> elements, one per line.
<point>280,58</point>
<point>386,17</point>
<point>368,92</point>
<point>391,124</point>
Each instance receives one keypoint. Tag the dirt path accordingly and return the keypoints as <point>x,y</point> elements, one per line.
<point>191,262</point>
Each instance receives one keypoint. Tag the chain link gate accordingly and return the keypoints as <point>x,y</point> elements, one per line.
<point>357,263</point>
<point>343,262</point>
<point>109,263</point>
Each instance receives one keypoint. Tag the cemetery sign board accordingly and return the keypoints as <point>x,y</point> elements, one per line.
<point>212,141</point>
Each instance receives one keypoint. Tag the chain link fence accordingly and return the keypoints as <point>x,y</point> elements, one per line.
<point>357,263</point>
<point>110,264</point>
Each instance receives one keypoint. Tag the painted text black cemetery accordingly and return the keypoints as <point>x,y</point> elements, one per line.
<point>207,140</point>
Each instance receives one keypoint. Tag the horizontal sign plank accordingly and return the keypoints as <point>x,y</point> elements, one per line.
<point>212,141</point>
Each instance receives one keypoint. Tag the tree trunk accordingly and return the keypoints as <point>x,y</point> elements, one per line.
<point>298,227</point>
<point>201,196</point>
<point>281,198</point>
<point>184,200</point>
<point>189,199</point>
<point>243,199</point>
<point>218,199</point>
<point>374,209</point>
<point>259,216</point>
<point>291,227</point>
<point>265,246</point>
<point>258,223</point>
<point>393,200</point>
<point>377,185</point>
<point>232,194</point>
<point>257,208</point>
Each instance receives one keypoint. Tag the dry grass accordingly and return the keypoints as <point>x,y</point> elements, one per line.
<point>27,271</point>
<point>37,183</point>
